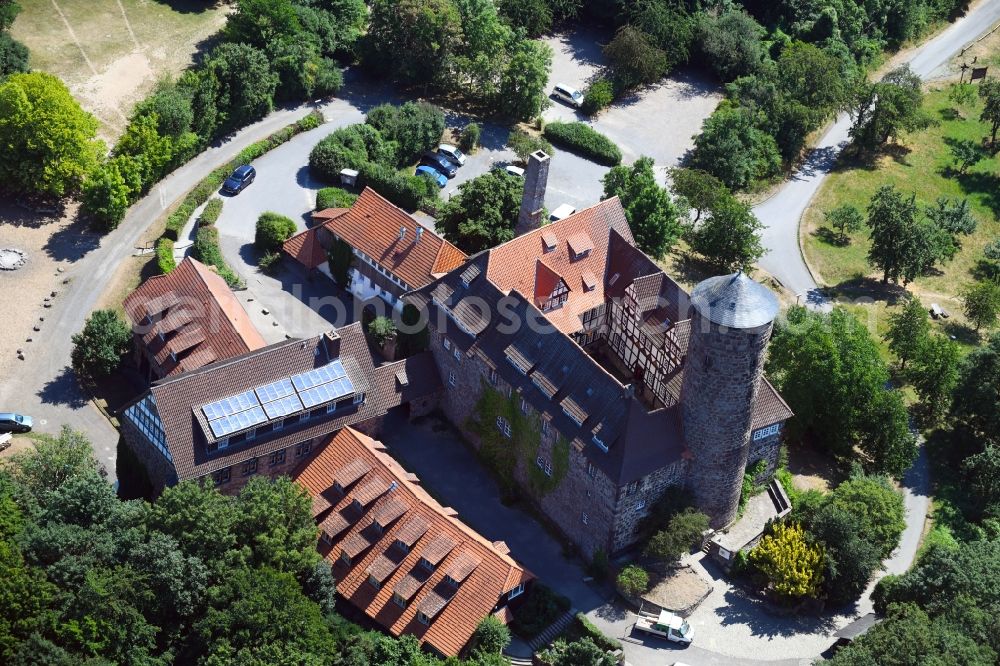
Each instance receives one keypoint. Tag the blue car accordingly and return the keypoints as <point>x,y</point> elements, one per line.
<point>432,173</point>
<point>241,177</point>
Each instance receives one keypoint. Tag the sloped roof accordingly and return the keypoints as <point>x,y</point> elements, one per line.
<point>736,301</point>
<point>200,318</point>
<point>372,225</point>
<point>512,266</point>
<point>178,398</point>
<point>483,571</point>
<point>305,248</point>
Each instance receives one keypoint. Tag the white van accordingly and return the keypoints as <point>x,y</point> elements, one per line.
<point>568,94</point>
<point>563,211</point>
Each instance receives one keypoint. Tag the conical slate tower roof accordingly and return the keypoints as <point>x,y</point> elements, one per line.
<point>735,301</point>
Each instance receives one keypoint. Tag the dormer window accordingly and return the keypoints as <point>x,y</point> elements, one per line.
<point>403,548</point>
<point>359,398</point>
<point>398,599</point>
<point>422,618</point>
<point>426,564</point>
<point>345,559</point>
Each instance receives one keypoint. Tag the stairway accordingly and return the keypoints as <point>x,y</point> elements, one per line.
<point>777,494</point>
<point>517,661</point>
<point>556,628</point>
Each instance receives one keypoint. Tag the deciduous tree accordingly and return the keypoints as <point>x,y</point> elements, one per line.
<point>522,90</point>
<point>651,214</point>
<point>483,213</point>
<point>909,329</point>
<point>730,237</point>
<point>734,150</point>
<point>989,92</point>
<point>634,60</point>
<point>981,303</point>
<point>883,110</point>
<point>934,375</point>
<point>699,189</point>
<point>101,346</point>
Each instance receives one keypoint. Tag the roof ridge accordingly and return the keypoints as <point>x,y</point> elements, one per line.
<point>548,227</point>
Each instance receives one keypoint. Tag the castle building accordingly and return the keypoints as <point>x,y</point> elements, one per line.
<point>595,382</point>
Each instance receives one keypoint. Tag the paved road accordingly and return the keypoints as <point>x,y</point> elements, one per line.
<point>44,384</point>
<point>782,213</point>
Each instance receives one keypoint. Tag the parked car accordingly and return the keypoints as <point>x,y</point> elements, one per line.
<point>432,173</point>
<point>242,176</point>
<point>568,94</point>
<point>439,163</point>
<point>562,211</point>
<point>514,170</point>
<point>11,422</point>
<point>452,153</point>
<point>666,625</point>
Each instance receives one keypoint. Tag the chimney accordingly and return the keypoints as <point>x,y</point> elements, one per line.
<point>402,233</point>
<point>417,234</point>
<point>536,177</point>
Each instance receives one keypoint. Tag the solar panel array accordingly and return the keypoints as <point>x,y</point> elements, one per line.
<point>277,399</point>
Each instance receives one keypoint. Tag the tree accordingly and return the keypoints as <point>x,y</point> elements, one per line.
<point>908,330</point>
<point>967,153</point>
<point>989,92</point>
<point>934,376</point>
<point>414,126</point>
<point>884,109</point>
<point>731,44</point>
<point>684,530</point>
<point>9,9</point>
<point>381,329</point>
<point>53,461</point>
<point>273,229</point>
<point>633,59</point>
<point>49,142</point>
<point>734,150</point>
<point>484,212</point>
<point>851,559</point>
<point>491,635</point>
<point>523,144</point>
<point>13,55</point>
<point>101,346</point>
<point>975,401</point>
<point>411,40</point>
<point>844,220</point>
<point>730,237</point>
<point>953,216</point>
<point>699,189</point>
<point>106,195</point>
<point>632,581</point>
<point>261,23</point>
<point>521,94</point>
<point>651,214</point>
<point>904,246</point>
<point>981,303</point>
<point>828,368</point>
<point>812,77</point>
<point>668,26</point>
<point>340,256</point>
<point>982,470</point>
<point>792,565</point>
<point>535,16</point>
<point>246,84</point>
<point>583,652</point>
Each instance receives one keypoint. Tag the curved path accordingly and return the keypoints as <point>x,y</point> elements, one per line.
<point>782,213</point>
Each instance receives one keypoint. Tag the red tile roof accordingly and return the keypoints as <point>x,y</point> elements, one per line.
<point>305,248</point>
<point>200,318</point>
<point>372,225</point>
<point>481,572</point>
<point>517,265</point>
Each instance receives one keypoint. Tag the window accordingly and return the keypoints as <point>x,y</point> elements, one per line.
<point>303,417</point>
<point>426,564</point>
<point>591,470</point>
<point>525,408</point>
<point>516,592</point>
<point>458,354</point>
<point>452,378</point>
<point>403,548</point>
<point>398,600</point>
<point>450,581</point>
<point>220,477</point>
<point>585,518</point>
<point>326,538</point>
<point>493,376</point>
<point>345,559</point>
<point>503,425</point>
<point>446,342</point>
<point>546,427</point>
<point>422,618</point>
<point>359,398</point>
<point>302,449</point>
<point>278,425</point>
<point>766,432</point>
<point>373,581</point>
<point>250,467</point>
<point>640,505</point>
<point>277,458</point>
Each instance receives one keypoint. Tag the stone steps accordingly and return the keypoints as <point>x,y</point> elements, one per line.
<point>554,630</point>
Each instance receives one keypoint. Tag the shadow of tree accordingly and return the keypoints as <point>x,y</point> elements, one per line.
<point>763,619</point>
<point>73,241</point>
<point>63,389</point>
<point>986,185</point>
<point>951,113</point>
<point>865,287</point>
<point>831,237</point>
<point>962,333</point>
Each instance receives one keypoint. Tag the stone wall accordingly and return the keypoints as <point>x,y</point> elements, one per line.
<point>632,504</point>
<point>160,470</point>
<point>769,449</point>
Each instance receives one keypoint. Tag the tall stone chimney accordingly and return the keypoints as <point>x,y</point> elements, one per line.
<point>536,178</point>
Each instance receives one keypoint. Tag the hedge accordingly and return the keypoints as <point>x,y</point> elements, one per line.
<point>585,140</point>
<point>600,94</point>
<point>334,197</point>
<point>587,628</point>
<point>206,250</point>
<point>210,214</point>
<point>273,229</point>
<point>165,255</point>
<point>403,190</point>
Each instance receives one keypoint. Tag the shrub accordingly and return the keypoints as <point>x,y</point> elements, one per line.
<point>206,250</point>
<point>540,610</point>
<point>414,127</point>
<point>491,635</point>
<point>165,255</point>
<point>270,262</point>
<point>334,197</point>
<point>599,95</point>
<point>403,190</point>
<point>468,141</point>
<point>381,329</point>
<point>523,144</point>
<point>632,581</point>
<point>100,347</point>
<point>603,641</point>
<point>350,147</point>
<point>210,214</point>
<point>273,229</point>
<point>106,196</point>
<point>585,140</point>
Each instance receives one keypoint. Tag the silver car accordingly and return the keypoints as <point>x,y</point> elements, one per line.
<point>452,153</point>
<point>568,94</point>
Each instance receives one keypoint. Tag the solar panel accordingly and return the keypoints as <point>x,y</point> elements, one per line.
<point>231,405</point>
<point>321,375</point>
<point>275,390</point>
<point>226,425</point>
<point>283,406</point>
<point>326,392</point>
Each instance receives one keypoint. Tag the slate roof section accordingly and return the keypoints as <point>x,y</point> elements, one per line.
<point>736,301</point>
<point>178,398</point>
<point>372,225</point>
<point>200,317</point>
<point>483,572</point>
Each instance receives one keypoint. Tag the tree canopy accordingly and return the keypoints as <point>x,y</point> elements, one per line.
<point>484,212</point>
<point>651,214</point>
<point>101,346</point>
<point>729,237</point>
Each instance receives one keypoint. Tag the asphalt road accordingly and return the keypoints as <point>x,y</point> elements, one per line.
<point>782,213</point>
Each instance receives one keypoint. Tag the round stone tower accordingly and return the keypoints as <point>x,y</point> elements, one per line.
<point>731,324</point>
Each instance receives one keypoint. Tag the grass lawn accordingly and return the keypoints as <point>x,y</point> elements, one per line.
<point>112,52</point>
<point>920,165</point>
